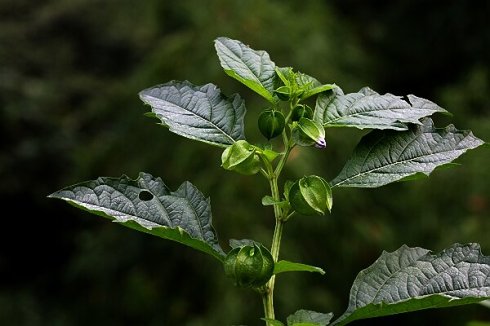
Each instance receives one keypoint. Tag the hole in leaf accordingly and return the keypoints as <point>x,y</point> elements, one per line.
<point>145,195</point>
<point>405,98</point>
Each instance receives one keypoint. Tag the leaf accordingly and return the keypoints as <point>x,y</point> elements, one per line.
<point>283,266</point>
<point>411,279</point>
<point>383,157</point>
<point>287,75</point>
<point>311,86</point>
<point>269,154</point>
<point>309,318</point>
<point>269,201</point>
<point>201,113</point>
<point>147,204</point>
<point>307,85</point>
<point>420,175</point>
<point>252,68</point>
<point>272,322</point>
<point>368,109</point>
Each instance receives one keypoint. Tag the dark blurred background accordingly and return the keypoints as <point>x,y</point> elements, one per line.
<point>69,76</point>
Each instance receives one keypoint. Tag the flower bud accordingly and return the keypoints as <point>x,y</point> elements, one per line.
<point>311,195</point>
<point>301,111</point>
<point>271,123</point>
<point>249,265</point>
<point>307,132</point>
<point>241,157</point>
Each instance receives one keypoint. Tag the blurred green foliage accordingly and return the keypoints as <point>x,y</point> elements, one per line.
<point>69,111</point>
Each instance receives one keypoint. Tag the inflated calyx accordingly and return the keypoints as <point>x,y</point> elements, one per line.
<point>241,157</point>
<point>307,132</point>
<point>271,123</point>
<point>311,195</point>
<point>249,265</point>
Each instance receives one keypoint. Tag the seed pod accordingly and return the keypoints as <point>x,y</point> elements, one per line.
<point>271,123</point>
<point>249,265</point>
<point>241,157</point>
<point>311,195</point>
<point>301,111</point>
<point>307,132</point>
<point>283,92</point>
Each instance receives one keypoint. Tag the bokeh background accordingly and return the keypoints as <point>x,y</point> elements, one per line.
<point>69,76</point>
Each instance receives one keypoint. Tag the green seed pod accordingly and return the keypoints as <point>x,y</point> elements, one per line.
<point>307,132</point>
<point>311,195</point>
<point>271,123</point>
<point>301,111</point>
<point>241,157</point>
<point>249,266</point>
<point>283,92</point>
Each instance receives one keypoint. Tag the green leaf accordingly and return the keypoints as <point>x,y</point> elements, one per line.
<point>252,68</point>
<point>287,75</point>
<point>147,204</point>
<point>411,279</point>
<point>311,86</point>
<point>269,201</point>
<point>273,322</point>
<point>383,157</point>
<point>201,113</point>
<point>283,266</point>
<point>368,109</point>
<point>269,154</point>
<point>301,83</point>
<point>309,318</point>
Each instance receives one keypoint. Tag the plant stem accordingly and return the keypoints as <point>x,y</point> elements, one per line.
<point>268,294</point>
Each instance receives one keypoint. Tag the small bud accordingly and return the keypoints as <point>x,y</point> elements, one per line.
<point>241,157</point>
<point>307,132</point>
<point>271,123</point>
<point>301,111</point>
<point>311,195</point>
<point>249,265</point>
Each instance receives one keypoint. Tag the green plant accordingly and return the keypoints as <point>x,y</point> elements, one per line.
<point>403,145</point>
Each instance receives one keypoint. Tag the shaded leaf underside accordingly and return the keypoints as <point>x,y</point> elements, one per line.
<point>310,318</point>
<point>146,204</point>
<point>283,266</point>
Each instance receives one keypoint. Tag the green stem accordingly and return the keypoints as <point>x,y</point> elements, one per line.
<point>268,304</point>
<point>268,294</point>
